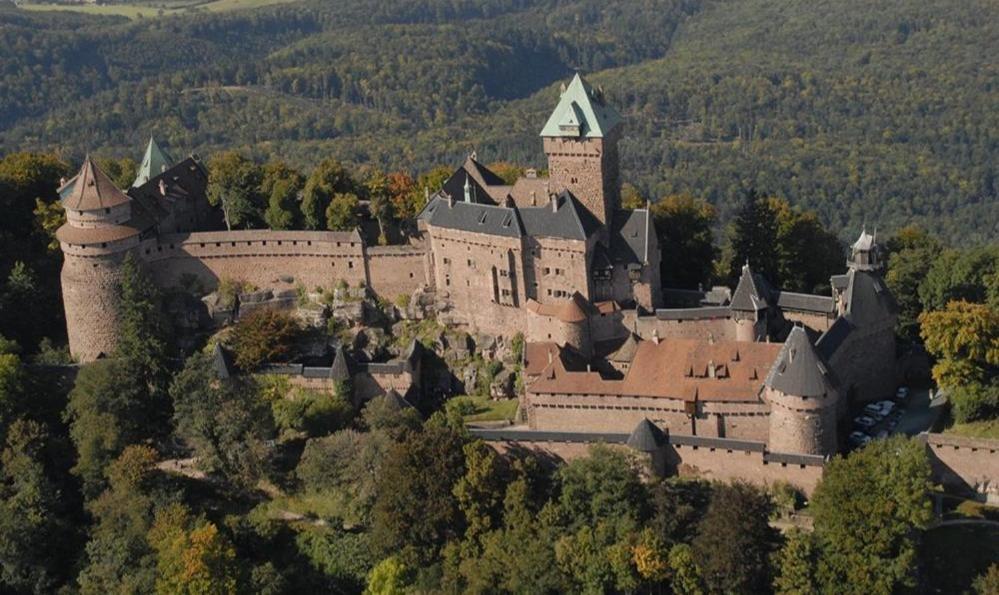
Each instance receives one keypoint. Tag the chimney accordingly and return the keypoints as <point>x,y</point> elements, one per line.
<point>534,198</point>
<point>712,373</point>
<point>655,336</point>
<point>450,201</point>
<point>468,190</point>
<point>554,202</point>
<point>550,358</point>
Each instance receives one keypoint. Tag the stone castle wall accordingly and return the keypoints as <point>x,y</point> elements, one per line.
<point>968,465</point>
<point>90,290</point>
<point>802,425</point>
<point>819,323</point>
<point>601,414</point>
<point>588,168</point>
<point>722,329</point>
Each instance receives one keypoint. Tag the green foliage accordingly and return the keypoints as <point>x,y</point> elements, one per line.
<point>735,541</point>
<point>265,335</point>
<point>911,253</point>
<point>959,275</point>
<point>687,578</point>
<point>605,486</point>
<point>422,467</point>
<point>388,577</point>
<point>988,582</point>
<point>107,411</point>
<point>796,564</point>
<point>867,509</point>
<point>229,290</point>
<point>144,338</point>
<point>344,558</point>
<point>341,214</point>
<point>787,246</point>
<point>382,413</point>
<point>234,187</point>
<point>343,468</point>
<point>311,413</point>
<point>34,534</point>
<point>121,171</point>
<point>329,178</point>
<point>965,340</point>
<point>631,197</point>
<point>684,227</point>
<point>192,555</point>
<point>226,422</point>
<point>679,505</point>
<point>281,185</point>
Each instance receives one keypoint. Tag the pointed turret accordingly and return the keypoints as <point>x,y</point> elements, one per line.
<point>646,437</point>
<point>799,370</point>
<point>93,190</point>
<point>751,294</point>
<point>803,399</point>
<point>581,112</point>
<point>341,370</point>
<point>865,254</point>
<point>154,162</point>
<point>580,140</point>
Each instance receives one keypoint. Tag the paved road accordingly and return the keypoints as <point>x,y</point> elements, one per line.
<point>920,414</point>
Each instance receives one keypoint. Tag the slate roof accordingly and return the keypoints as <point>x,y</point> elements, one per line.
<point>581,112</point>
<point>92,190</point>
<point>799,370</point>
<point>702,313</point>
<point>154,162</point>
<point>222,362</point>
<point>626,352</point>
<point>569,219</point>
<point>752,294</point>
<point>821,304</point>
<point>476,218</point>
<point>646,437</point>
<point>395,401</point>
<point>629,239</point>
<point>835,335</point>
<point>868,299</point>
<point>839,282</point>
<point>455,188</point>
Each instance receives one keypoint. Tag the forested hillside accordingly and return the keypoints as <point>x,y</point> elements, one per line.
<point>876,112</point>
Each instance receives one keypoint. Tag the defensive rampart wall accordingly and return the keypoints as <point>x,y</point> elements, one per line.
<point>968,465</point>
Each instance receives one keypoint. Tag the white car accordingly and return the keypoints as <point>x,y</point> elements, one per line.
<point>859,438</point>
<point>886,407</point>
<point>902,393</point>
<point>865,421</point>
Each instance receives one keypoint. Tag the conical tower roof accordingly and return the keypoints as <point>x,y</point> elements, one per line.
<point>341,368</point>
<point>750,295</point>
<point>154,162</point>
<point>646,437</point>
<point>395,401</point>
<point>581,112</point>
<point>798,369</point>
<point>93,190</point>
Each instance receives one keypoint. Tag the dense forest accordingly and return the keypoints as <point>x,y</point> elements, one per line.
<point>878,113</point>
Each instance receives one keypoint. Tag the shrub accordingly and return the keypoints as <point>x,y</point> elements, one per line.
<point>264,335</point>
<point>229,289</point>
<point>402,300</point>
<point>312,412</point>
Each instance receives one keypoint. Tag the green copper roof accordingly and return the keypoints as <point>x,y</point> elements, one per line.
<point>155,162</point>
<point>581,112</point>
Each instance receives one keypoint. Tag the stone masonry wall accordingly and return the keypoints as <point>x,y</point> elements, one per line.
<point>723,329</point>
<point>90,298</point>
<point>969,465</point>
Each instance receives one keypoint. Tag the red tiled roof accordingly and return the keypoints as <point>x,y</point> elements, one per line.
<point>675,369</point>
<point>574,309</point>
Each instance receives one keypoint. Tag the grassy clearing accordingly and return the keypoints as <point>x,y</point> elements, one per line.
<point>976,429</point>
<point>953,556</point>
<point>484,409</point>
<point>137,11</point>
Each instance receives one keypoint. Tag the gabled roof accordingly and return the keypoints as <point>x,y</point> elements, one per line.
<point>581,112</point>
<point>482,174</point>
<point>629,239</point>
<point>752,294</point>
<point>93,190</point>
<point>154,162</point>
<point>798,369</point>
<point>462,184</point>
<point>396,402</point>
<point>565,219</point>
<point>646,437</point>
<point>822,304</point>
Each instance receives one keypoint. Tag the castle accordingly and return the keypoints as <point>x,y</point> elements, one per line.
<point>555,258</point>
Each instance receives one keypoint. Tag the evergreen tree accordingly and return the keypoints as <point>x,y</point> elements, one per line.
<point>684,227</point>
<point>752,238</point>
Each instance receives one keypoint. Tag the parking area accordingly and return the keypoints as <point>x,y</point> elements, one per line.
<point>907,412</point>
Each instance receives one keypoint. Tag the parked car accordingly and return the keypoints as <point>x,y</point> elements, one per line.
<point>859,438</point>
<point>902,393</point>
<point>886,407</point>
<point>872,408</point>
<point>865,421</point>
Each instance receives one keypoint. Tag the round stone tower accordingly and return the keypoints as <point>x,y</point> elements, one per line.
<point>99,230</point>
<point>803,400</point>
